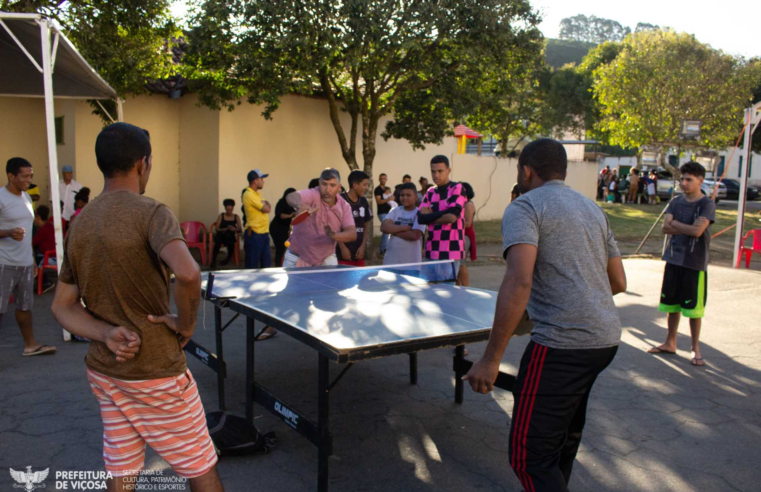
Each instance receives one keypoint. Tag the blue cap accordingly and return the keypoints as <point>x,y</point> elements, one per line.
<point>67,169</point>
<point>256,174</point>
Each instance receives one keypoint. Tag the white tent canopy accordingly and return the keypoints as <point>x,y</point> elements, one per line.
<point>21,55</point>
<point>37,60</point>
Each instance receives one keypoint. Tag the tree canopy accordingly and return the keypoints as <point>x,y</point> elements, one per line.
<point>413,61</point>
<point>660,78</point>
<point>592,29</point>
<point>125,40</point>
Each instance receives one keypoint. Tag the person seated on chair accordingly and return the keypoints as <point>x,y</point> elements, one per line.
<point>44,240</point>
<point>228,227</point>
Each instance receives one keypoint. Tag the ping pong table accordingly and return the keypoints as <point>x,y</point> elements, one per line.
<point>346,315</point>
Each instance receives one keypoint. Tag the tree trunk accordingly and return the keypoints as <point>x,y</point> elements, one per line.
<point>369,134</point>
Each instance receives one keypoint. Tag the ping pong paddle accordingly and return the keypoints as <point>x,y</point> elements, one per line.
<point>302,216</point>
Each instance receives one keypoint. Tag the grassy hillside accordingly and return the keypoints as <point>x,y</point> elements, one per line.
<point>562,51</point>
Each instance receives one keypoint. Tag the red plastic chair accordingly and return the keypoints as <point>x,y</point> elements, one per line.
<point>748,251</point>
<point>45,266</point>
<point>195,234</point>
<point>236,253</point>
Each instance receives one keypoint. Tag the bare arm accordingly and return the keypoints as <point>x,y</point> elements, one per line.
<point>388,227</point>
<point>266,207</point>
<point>695,230</point>
<point>470,213</point>
<point>187,289</point>
<point>345,236</point>
<point>411,235</point>
<point>616,275</point>
<point>676,228</point>
<point>293,199</point>
<point>512,299</point>
<point>238,224</point>
<point>72,316</point>
<point>219,221</point>
<point>382,201</point>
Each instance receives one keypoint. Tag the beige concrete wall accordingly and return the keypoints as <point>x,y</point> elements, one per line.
<point>23,134</point>
<point>300,141</point>
<point>157,114</point>
<point>199,158</point>
<point>66,151</point>
<point>202,157</point>
<point>86,168</point>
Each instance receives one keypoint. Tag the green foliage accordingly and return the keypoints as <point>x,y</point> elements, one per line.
<point>124,41</point>
<point>415,60</point>
<point>660,78</point>
<point>644,26</point>
<point>592,29</point>
<point>561,52</point>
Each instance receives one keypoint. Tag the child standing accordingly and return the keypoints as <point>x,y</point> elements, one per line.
<point>685,281</point>
<point>406,241</point>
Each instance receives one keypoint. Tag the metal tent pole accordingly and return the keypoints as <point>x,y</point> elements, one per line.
<point>47,77</point>
<point>750,117</point>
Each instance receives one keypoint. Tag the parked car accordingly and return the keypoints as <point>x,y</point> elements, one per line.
<point>733,190</point>
<point>666,183</point>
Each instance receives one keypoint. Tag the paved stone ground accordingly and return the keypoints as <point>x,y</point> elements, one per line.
<point>654,423</point>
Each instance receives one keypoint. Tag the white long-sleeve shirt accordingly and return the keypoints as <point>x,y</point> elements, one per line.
<point>66,193</point>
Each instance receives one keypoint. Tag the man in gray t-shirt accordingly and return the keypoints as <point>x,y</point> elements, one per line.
<point>17,265</point>
<point>564,265</point>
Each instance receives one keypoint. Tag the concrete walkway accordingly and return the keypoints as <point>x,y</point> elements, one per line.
<point>655,423</point>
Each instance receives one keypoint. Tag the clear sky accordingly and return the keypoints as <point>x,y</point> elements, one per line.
<point>734,26</point>
<point>731,26</point>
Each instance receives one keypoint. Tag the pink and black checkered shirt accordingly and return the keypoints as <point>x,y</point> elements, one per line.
<point>446,241</point>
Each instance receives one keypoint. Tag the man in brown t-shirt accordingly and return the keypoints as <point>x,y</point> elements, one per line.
<point>119,253</point>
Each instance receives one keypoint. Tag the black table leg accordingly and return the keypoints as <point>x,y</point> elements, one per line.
<point>459,355</point>
<point>220,356</point>
<point>413,368</point>
<point>323,403</point>
<point>250,334</point>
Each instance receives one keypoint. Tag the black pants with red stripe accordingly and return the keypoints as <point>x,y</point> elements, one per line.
<point>551,394</point>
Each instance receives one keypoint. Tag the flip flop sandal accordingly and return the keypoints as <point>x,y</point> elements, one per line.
<point>42,349</point>
<point>660,351</point>
<point>695,363</point>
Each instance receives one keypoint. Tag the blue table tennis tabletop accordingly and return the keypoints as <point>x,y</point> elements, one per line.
<point>359,310</point>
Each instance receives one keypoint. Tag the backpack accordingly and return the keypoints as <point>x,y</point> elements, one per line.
<point>235,436</point>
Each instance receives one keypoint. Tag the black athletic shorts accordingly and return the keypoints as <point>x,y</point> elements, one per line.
<point>684,291</point>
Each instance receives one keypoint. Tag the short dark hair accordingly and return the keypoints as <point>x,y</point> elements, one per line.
<point>357,176</point>
<point>83,195</point>
<point>43,211</point>
<point>382,174</point>
<point>546,157</point>
<point>694,169</point>
<point>407,186</point>
<point>635,171</point>
<point>468,190</point>
<point>119,146</point>
<point>406,176</point>
<point>314,183</point>
<point>15,164</point>
<point>228,202</point>
<point>440,159</point>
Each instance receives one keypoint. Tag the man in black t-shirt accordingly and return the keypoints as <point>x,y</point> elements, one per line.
<point>383,207</point>
<point>353,253</point>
